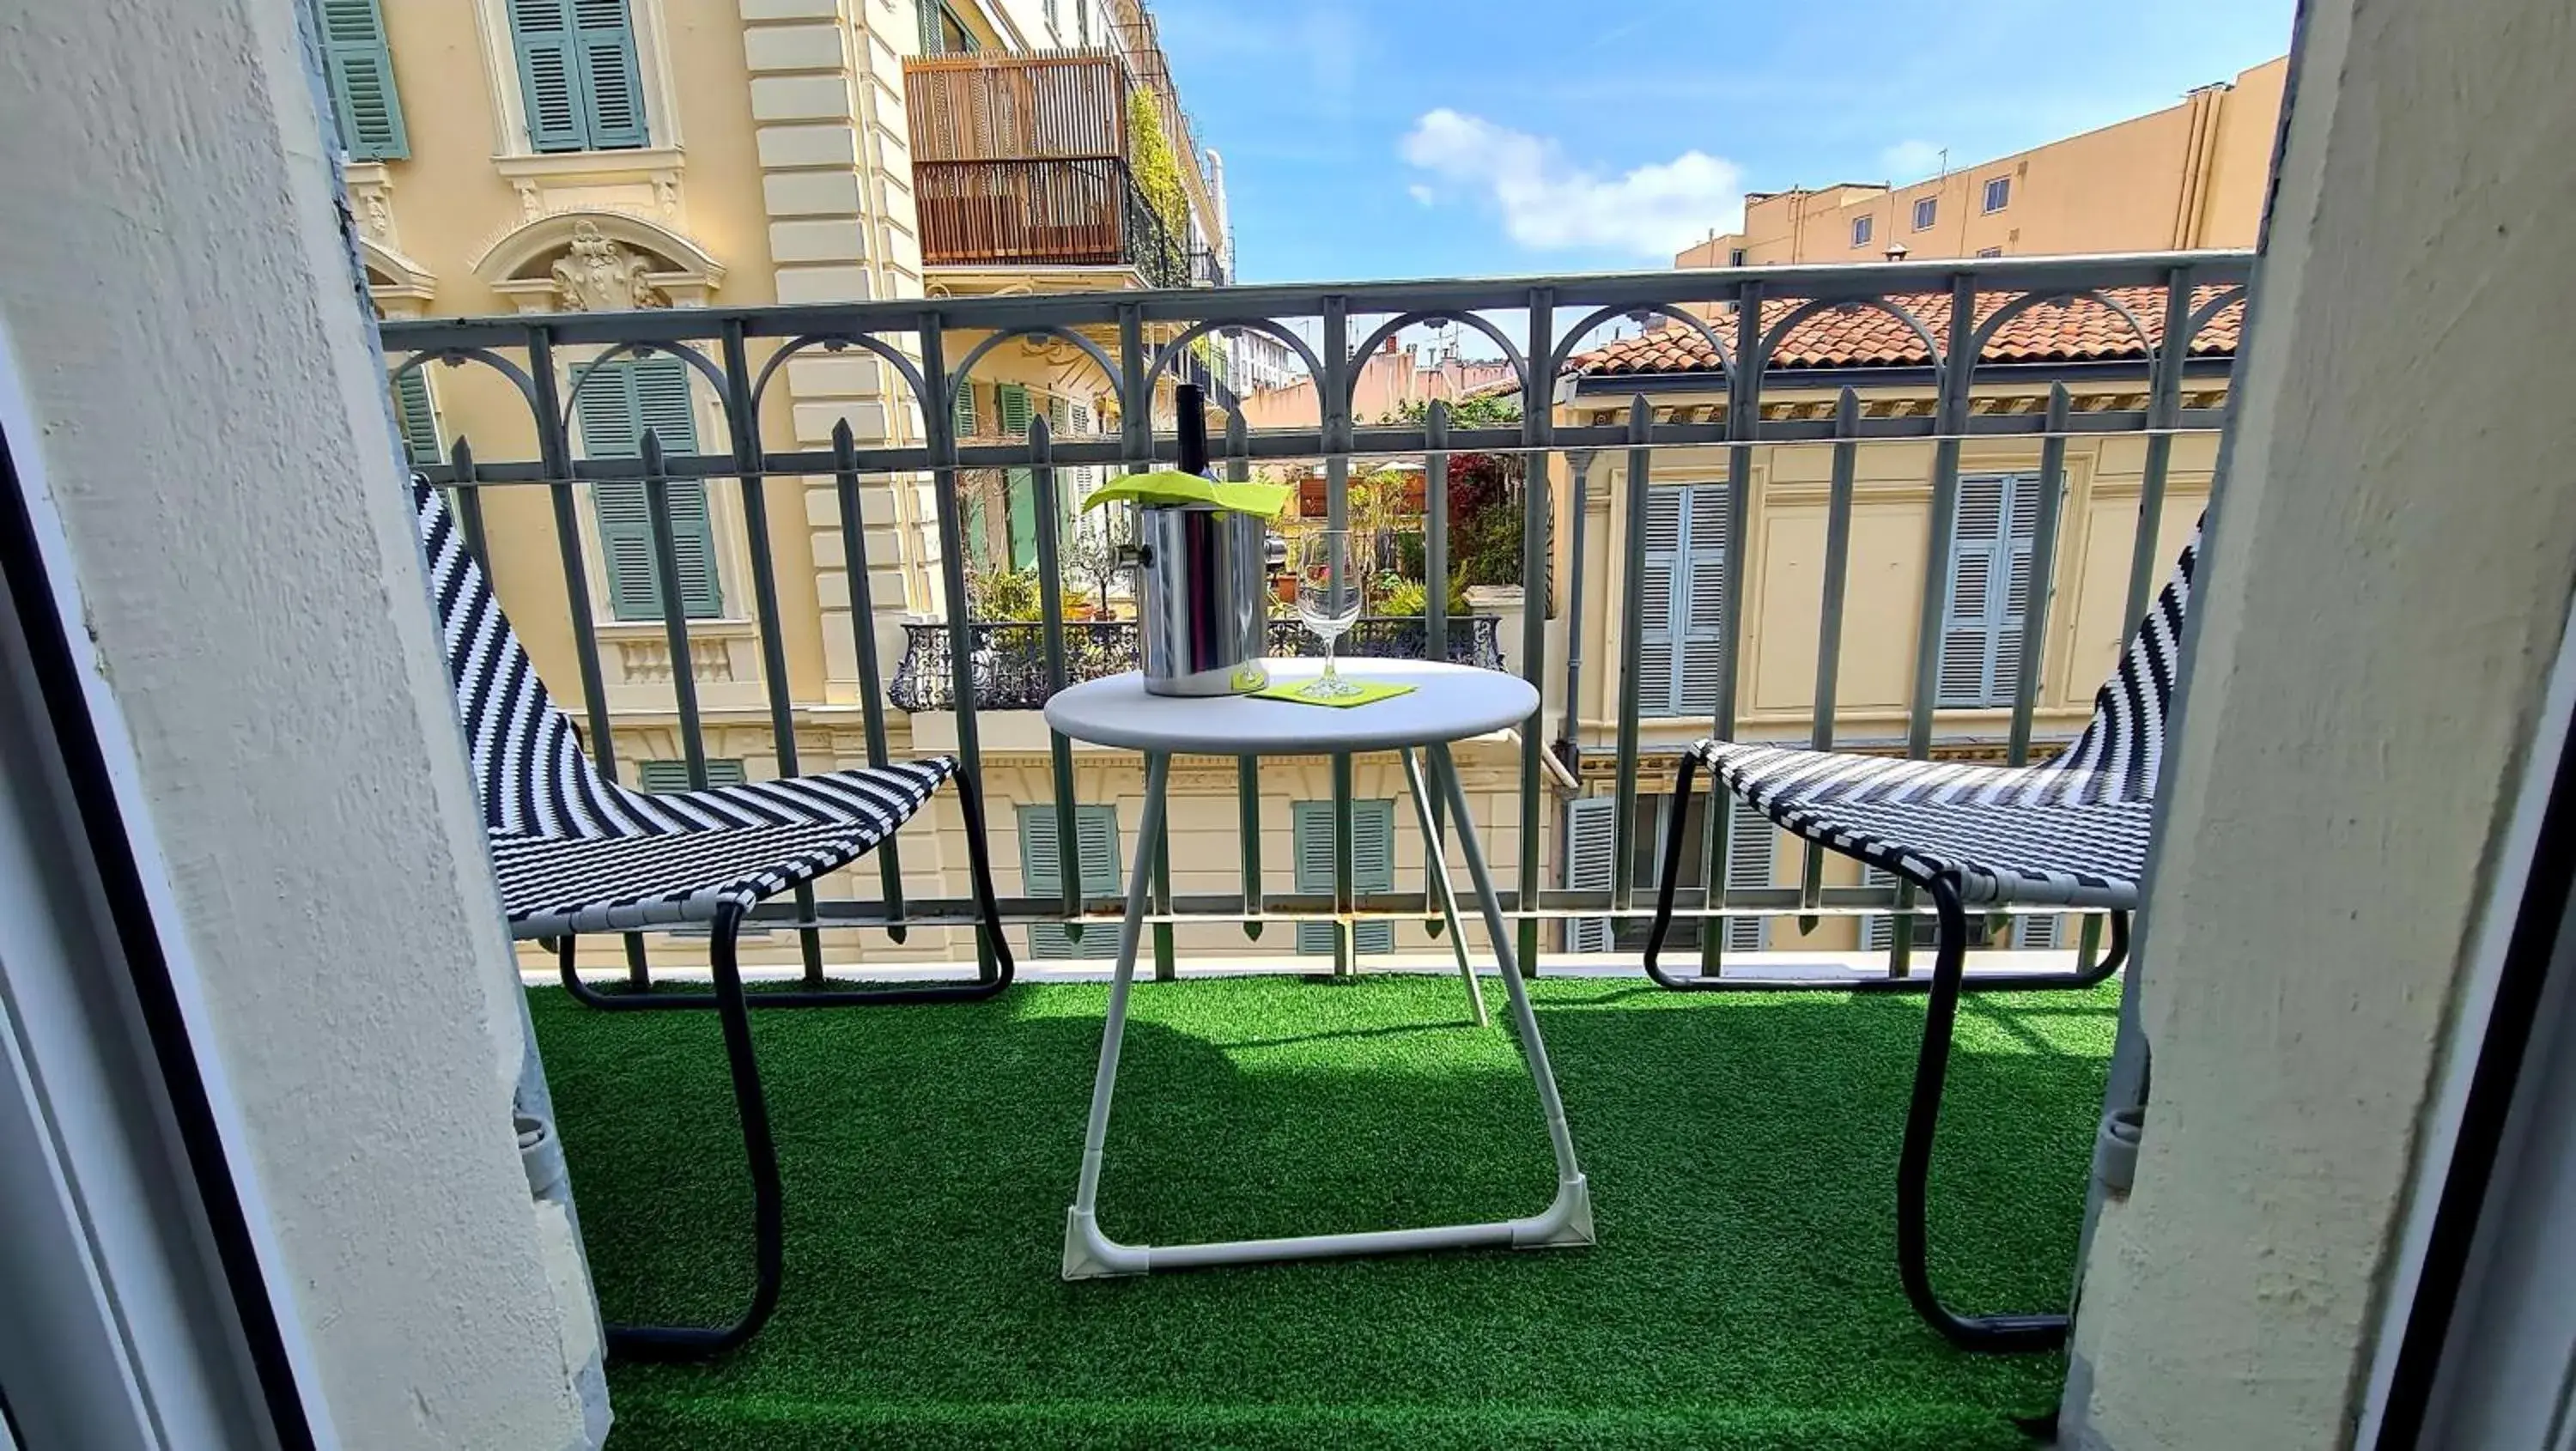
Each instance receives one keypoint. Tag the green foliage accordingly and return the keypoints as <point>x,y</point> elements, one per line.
<point>1003,594</point>
<point>1412,597</point>
<point>1485,518</point>
<point>1157,170</point>
<point>1484,410</point>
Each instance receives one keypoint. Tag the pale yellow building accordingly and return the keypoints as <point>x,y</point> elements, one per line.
<point>544,156</point>
<point>2105,366</point>
<point>2189,176</point>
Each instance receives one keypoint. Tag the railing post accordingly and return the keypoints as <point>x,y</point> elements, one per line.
<point>1247,769</point>
<point>1743,426</point>
<point>939,422</point>
<point>854,564</point>
<point>1068,845</point>
<point>743,413</point>
<point>1435,593</point>
<point>1632,648</point>
<point>1829,624</point>
<point>1538,429</point>
<point>2147,558</point>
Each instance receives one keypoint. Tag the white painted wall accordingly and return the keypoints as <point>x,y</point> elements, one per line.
<point>176,284</point>
<point>2384,592</point>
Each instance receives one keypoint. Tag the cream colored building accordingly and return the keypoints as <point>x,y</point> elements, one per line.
<point>2189,176</point>
<point>1784,559</point>
<point>542,156</point>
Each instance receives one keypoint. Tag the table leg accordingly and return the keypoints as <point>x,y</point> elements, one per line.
<point>1089,1254</point>
<point>1571,1214</point>
<point>1440,883</point>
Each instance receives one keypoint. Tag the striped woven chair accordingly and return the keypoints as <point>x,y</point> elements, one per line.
<point>2071,832</point>
<point>575,852</point>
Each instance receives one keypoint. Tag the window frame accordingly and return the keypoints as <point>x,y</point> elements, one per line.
<point>659,96</point>
<point>1927,213</point>
<point>1991,200</point>
<point>1864,229</point>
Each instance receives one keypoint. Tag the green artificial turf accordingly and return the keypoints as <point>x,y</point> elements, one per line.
<point>1741,1151</point>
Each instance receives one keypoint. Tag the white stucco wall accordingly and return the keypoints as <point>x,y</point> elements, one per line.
<point>176,286</point>
<point>2385,590</point>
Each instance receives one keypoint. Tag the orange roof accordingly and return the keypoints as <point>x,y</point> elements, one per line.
<point>1861,336</point>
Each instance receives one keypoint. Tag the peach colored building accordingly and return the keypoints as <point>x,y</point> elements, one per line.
<point>1393,378</point>
<point>2191,175</point>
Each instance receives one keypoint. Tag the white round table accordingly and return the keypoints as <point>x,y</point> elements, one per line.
<point>1448,703</point>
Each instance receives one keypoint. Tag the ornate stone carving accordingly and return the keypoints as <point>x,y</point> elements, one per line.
<point>599,275</point>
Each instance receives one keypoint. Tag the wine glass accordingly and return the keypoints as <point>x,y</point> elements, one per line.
<point>1328,601</point>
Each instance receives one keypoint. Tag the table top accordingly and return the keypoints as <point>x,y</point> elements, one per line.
<point>1448,703</point>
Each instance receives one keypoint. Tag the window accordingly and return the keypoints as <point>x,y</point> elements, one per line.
<point>578,75</point>
<point>1095,830</point>
<point>1989,593</point>
<point>2031,934</point>
<point>361,72</point>
<point>1055,20</point>
<point>942,33</point>
<point>1735,257</point>
<point>1372,869</point>
<point>674,775</point>
<point>1684,560</point>
<point>1927,210</point>
<point>1861,227</point>
<point>1990,251</point>
<point>417,416</point>
<point>618,403</point>
<point>1019,486</point>
<point>1998,193</point>
<point>1082,22</point>
<point>1752,850</point>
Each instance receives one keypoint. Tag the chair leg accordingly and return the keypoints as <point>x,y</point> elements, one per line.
<point>698,1342</point>
<point>1672,877</point>
<point>1914,1163</point>
<point>980,867</point>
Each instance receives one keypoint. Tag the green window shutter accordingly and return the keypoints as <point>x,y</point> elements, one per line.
<point>1590,853</point>
<point>966,410</point>
<point>674,775</point>
<point>549,75</point>
<point>928,11</point>
<point>1012,402</point>
<point>1751,842</point>
<point>618,402</point>
<point>1372,867</point>
<point>361,71</point>
<point>612,84</point>
<point>1020,495</point>
<point>418,418</point>
<point>1096,832</point>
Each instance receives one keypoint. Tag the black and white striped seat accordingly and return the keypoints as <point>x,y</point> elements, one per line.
<point>2070,832</point>
<point>579,853</point>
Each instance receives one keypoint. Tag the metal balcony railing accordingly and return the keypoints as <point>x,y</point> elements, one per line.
<point>1011,669</point>
<point>1776,367</point>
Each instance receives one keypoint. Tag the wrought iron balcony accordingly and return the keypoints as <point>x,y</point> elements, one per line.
<point>1010,672</point>
<point>1848,423</point>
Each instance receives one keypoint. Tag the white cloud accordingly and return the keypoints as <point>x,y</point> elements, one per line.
<point>1549,203</point>
<point>1910,160</point>
<point>1421,194</point>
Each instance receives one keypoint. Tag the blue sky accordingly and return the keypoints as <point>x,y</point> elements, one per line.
<point>1419,138</point>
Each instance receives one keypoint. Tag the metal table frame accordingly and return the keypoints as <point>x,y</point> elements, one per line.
<point>1566,1221</point>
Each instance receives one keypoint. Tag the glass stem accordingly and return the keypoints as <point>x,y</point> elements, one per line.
<point>1329,673</point>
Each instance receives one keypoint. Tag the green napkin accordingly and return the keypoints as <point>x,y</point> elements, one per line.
<point>1171,486</point>
<point>1368,691</point>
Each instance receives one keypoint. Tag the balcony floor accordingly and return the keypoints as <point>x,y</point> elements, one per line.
<point>1741,1151</point>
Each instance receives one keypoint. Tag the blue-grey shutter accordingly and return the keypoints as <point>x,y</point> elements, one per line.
<point>1752,842</point>
<point>1096,846</point>
<point>1878,932</point>
<point>1700,627</point>
<point>418,418</point>
<point>618,402</point>
<point>549,74</point>
<point>2032,934</point>
<point>1684,625</point>
<point>674,775</point>
<point>1372,868</point>
<point>1660,559</point>
<point>1591,852</point>
<point>361,70</point>
<point>929,16</point>
<point>612,83</point>
<point>1989,594</point>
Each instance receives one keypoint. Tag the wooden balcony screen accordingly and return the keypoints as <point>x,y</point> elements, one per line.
<point>983,107</point>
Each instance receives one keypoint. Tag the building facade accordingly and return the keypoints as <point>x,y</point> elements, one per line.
<point>545,156</point>
<point>2189,176</point>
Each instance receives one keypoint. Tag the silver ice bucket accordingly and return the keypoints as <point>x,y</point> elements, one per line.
<point>1203,592</point>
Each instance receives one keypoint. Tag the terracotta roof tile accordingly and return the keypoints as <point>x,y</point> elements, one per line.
<point>1862,336</point>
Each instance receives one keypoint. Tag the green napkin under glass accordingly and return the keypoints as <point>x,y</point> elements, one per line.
<point>1362,692</point>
